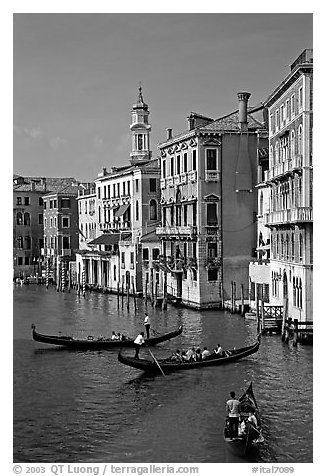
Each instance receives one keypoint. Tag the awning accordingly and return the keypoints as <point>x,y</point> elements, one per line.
<point>122,210</point>
<point>106,239</point>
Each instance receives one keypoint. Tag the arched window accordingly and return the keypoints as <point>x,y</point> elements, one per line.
<point>261,204</point>
<point>153,210</point>
<point>137,210</point>
<point>19,218</point>
<point>20,242</point>
<point>27,219</point>
<point>300,140</point>
<point>27,242</point>
<point>277,153</point>
<point>292,144</point>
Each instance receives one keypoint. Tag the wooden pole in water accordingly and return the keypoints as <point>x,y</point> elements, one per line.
<point>122,291</point>
<point>134,294</point>
<point>257,307</point>
<point>156,291</point>
<point>242,300</point>
<point>146,285</point>
<point>222,295</point>
<point>234,296</point>
<point>152,288</point>
<point>284,317</point>
<point>262,314</point>
<point>58,275</point>
<point>165,303</point>
<point>232,290</point>
<point>295,333</point>
<point>127,285</point>
<point>47,273</point>
<point>118,290</point>
<point>287,330</point>
<point>69,278</point>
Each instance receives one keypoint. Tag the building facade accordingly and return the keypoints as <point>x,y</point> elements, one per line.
<point>127,207</point>
<point>28,233</point>
<point>290,182</point>
<point>209,204</point>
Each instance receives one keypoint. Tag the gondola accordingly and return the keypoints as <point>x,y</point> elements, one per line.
<point>168,365</point>
<point>248,441</point>
<point>99,343</point>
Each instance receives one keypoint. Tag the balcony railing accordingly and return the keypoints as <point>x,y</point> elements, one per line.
<point>284,167</point>
<point>176,230</point>
<point>169,182</point>
<point>183,178</point>
<point>177,180</point>
<point>163,183</point>
<point>66,252</point>
<point>109,226</point>
<point>212,229</point>
<point>212,176</point>
<point>192,176</point>
<point>213,263</point>
<point>299,214</point>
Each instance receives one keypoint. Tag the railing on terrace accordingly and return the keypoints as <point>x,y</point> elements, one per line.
<point>298,214</point>
<point>176,230</point>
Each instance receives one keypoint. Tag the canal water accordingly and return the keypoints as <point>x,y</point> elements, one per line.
<point>84,406</point>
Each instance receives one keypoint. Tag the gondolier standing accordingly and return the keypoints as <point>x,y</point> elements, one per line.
<point>147,324</point>
<point>138,342</point>
<point>233,411</point>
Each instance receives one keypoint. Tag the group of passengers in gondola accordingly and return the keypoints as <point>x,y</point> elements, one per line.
<point>196,355</point>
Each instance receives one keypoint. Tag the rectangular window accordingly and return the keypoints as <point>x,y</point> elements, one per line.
<point>65,242</point>
<point>123,188</point>
<point>211,159</point>
<point>272,123</point>
<point>40,243</point>
<point>300,98</point>
<point>54,204</point>
<point>163,168</point>
<point>51,203</point>
<point>20,260</point>
<point>44,205</point>
<point>40,218</point>
<point>137,185</point>
<point>288,110</point>
<point>277,116</point>
<point>211,214</point>
<point>26,200</point>
<point>118,188</point>
<point>178,165</point>
<point>65,222</point>
<point>212,275</point>
<point>145,254</point>
<point>194,250</point>
<point>282,114</point>
<point>212,250</point>
<point>194,160</point>
<point>132,257</point>
<point>40,201</point>
<point>18,200</point>
<point>65,203</point>
<point>292,104</point>
<point>122,257</point>
<point>185,162</point>
<point>171,166</point>
<point>26,259</point>
<point>152,185</point>
<point>185,215</point>
<point>128,187</point>
<point>114,195</point>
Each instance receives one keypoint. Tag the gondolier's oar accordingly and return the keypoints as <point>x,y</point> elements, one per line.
<point>155,360</point>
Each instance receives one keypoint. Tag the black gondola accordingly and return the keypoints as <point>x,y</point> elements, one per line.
<point>100,342</point>
<point>247,441</point>
<point>172,366</point>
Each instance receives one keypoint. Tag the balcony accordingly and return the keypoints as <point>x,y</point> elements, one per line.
<point>66,252</point>
<point>163,183</point>
<point>169,182</point>
<point>115,226</point>
<point>212,176</point>
<point>192,176</point>
<point>295,215</point>
<point>177,180</point>
<point>283,168</point>
<point>212,230</point>
<point>183,178</point>
<point>186,231</point>
<point>213,263</point>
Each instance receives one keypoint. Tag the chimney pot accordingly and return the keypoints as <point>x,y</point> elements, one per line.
<point>169,133</point>
<point>243,107</point>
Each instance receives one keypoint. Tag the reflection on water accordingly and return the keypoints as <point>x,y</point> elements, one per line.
<point>84,406</point>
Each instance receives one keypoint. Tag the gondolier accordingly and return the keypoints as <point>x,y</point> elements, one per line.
<point>147,324</point>
<point>233,411</point>
<point>138,342</point>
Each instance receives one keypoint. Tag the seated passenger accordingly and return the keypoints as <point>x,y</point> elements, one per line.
<point>191,354</point>
<point>183,356</point>
<point>219,350</point>
<point>114,336</point>
<point>176,356</point>
<point>119,336</point>
<point>252,419</point>
<point>242,428</point>
<point>198,355</point>
<point>206,353</point>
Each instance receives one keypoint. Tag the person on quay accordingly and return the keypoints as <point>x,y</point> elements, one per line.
<point>233,412</point>
<point>147,324</point>
<point>138,342</point>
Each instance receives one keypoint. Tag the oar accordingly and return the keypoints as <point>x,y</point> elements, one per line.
<point>156,361</point>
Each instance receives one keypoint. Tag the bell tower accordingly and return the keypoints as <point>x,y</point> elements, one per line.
<point>140,130</point>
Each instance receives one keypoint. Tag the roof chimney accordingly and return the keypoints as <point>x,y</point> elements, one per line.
<point>169,133</point>
<point>243,110</point>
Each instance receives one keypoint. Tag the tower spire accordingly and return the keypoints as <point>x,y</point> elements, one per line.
<point>140,129</point>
